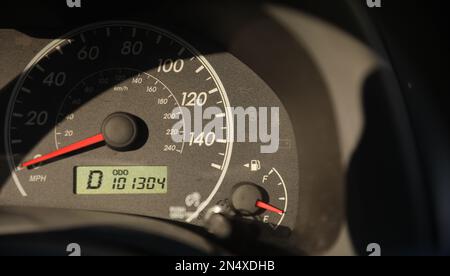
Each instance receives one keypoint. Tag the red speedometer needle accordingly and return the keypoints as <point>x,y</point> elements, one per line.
<point>268,207</point>
<point>63,151</point>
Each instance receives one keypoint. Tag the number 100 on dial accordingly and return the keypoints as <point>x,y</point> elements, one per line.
<point>109,180</point>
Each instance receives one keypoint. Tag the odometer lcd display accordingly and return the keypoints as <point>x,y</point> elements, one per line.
<point>118,180</point>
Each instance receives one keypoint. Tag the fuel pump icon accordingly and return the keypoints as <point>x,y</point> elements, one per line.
<point>254,165</point>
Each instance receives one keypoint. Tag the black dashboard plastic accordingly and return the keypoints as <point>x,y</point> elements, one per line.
<point>391,187</point>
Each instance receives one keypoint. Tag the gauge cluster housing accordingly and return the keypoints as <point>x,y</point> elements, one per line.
<point>329,72</point>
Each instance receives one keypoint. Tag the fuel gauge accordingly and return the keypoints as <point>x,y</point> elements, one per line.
<point>266,201</point>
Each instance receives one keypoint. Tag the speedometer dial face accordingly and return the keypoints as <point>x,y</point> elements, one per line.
<point>95,114</point>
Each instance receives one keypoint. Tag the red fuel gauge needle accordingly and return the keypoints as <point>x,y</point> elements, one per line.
<point>268,207</point>
<point>63,151</point>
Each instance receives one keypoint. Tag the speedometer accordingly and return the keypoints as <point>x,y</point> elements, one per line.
<point>93,115</point>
